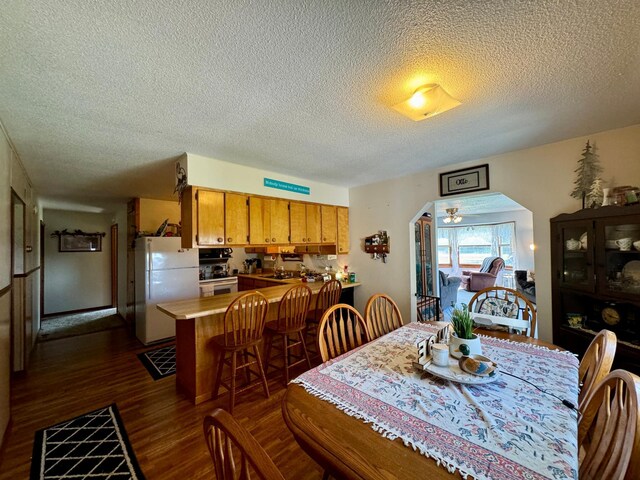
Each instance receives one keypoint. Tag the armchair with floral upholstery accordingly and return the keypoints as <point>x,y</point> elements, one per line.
<point>490,274</point>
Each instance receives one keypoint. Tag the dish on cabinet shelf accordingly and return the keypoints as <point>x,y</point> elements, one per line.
<point>583,241</point>
<point>631,270</point>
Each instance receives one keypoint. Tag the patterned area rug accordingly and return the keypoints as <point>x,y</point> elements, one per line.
<point>62,326</point>
<point>91,446</point>
<point>160,362</point>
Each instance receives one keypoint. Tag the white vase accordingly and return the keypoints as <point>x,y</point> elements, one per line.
<point>606,200</point>
<point>473,343</point>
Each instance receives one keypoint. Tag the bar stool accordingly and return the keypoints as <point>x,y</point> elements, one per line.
<point>328,296</point>
<point>244,323</point>
<point>291,322</point>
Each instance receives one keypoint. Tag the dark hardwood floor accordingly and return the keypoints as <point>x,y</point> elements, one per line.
<point>71,376</point>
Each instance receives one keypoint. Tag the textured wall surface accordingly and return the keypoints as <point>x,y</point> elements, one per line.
<point>100,97</point>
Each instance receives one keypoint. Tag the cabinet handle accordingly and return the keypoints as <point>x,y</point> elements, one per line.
<point>229,239</point>
<point>324,239</point>
<point>309,239</point>
<point>220,239</point>
<point>273,240</point>
<point>304,239</point>
<point>266,240</point>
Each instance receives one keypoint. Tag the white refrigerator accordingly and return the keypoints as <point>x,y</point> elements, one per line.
<point>165,272</point>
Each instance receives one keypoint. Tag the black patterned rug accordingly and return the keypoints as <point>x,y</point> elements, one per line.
<point>160,362</point>
<point>91,446</point>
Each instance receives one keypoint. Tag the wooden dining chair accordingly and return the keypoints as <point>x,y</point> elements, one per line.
<point>234,451</point>
<point>328,296</point>
<point>291,322</point>
<point>382,315</point>
<point>506,303</point>
<point>341,329</point>
<point>609,429</point>
<point>244,323</point>
<point>596,363</point>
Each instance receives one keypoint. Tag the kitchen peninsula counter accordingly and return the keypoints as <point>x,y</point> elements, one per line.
<point>200,319</point>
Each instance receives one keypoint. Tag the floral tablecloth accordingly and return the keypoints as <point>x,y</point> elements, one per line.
<point>504,430</point>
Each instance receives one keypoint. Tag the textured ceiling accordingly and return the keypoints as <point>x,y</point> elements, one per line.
<point>100,97</point>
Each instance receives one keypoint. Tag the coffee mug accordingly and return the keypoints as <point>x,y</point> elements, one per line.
<point>440,354</point>
<point>624,244</point>
<point>636,244</point>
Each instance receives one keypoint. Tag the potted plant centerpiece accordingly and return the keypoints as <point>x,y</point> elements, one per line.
<point>463,341</point>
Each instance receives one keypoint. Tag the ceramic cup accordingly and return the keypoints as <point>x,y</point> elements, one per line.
<point>624,244</point>
<point>636,245</point>
<point>440,354</point>
<point>573,244</point>
<point>574,320</point>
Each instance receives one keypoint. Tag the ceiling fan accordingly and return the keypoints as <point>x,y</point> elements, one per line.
<point>453,216</point>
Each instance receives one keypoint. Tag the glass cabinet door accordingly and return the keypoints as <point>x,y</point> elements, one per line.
<point>621,262</point>
<point>576,263</point>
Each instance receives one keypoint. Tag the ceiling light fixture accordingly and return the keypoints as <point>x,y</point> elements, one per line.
<point>453,216</point>
<point>427,101</point>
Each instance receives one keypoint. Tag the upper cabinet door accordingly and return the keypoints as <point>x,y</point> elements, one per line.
<point>259,221</point>
<point>575,263</point>
<point>236,219</point>
<point>313,223</point>
<point>210,217</point>
<point>298,217</point>
<point>343,229</point>
<point>279,212</point>
<point>329,224</point>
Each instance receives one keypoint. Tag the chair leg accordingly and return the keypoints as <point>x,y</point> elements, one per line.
<point>267,351</point>
<point>325,475</point>
<point>247,370</point>
<point>285,354</point>
<point>216,386</point>
<point>232,393</point>
<point>304,350</point>
<point>256,352</point>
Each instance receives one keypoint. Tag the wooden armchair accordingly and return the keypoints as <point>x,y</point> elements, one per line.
<point>596,363</point>
<point>341,329</point>
<point>234,451</point>
<point>609,429</point>
<point>501,306</point>
<point>381,315</point>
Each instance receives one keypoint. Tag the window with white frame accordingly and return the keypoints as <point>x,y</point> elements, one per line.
<point>468,246</point>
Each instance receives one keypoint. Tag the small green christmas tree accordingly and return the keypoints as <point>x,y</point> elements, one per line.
<point>588,170</point>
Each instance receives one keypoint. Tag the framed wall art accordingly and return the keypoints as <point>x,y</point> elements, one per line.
<point>465,180</point>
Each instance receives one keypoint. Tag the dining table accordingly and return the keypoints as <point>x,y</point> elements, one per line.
<point>371,414</point>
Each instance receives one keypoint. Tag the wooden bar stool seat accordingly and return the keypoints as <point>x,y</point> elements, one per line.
<point>244,323</point>
<point>290,326</point>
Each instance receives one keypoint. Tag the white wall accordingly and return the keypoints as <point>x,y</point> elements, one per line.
<point>213,173</point>
<point>76,280</point>
<point>540,179</point>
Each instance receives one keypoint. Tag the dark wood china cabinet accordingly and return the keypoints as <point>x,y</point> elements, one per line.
<point>596,280</point>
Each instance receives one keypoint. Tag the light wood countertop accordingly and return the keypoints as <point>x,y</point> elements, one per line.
<point>205,306</point>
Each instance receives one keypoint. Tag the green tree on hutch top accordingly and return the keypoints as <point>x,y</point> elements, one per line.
<point>588,169</point>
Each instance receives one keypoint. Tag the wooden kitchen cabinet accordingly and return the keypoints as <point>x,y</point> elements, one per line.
<point>236,219</point>
<point>329,224</point>
<point>343,229</point>
<point>305,222</point>
<point>268,221</point>
<point>202,218</point>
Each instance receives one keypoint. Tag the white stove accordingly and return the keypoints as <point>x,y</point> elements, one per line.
<point>218,286</point>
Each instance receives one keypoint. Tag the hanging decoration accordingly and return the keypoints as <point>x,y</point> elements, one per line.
<point>181,181</point>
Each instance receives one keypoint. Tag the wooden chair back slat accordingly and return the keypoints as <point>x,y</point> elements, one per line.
<point>328,296</point>
<point>341,329</point>
<point>526,310</point>
<point>245,318</point>
<point>597,362</point>
<point>293,308</point>
<point>609,429</point>
<point>382,315</point>
<point>225,438</point>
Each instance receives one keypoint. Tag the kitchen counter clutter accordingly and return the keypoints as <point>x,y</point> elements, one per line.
<point>200,319</point>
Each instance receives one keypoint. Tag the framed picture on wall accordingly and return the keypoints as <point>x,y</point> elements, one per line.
<point>465,180</point>
<point>80,243</point>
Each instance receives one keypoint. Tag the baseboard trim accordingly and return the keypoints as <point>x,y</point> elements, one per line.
<point>71,312</point>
